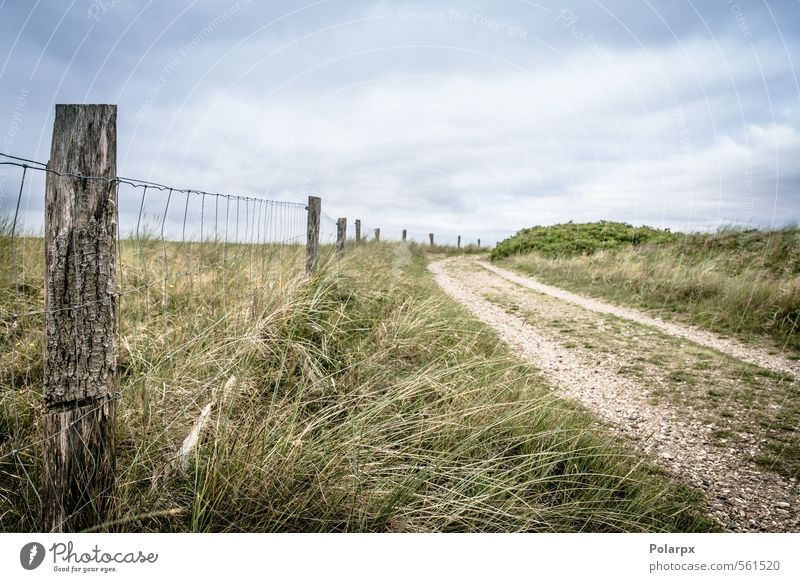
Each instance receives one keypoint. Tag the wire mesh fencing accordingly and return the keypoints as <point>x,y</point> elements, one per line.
<point>193,271</point>
<point>151,294</point>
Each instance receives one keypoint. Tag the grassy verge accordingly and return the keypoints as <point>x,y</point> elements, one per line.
<point>364,400</point>
<point>735,282</point>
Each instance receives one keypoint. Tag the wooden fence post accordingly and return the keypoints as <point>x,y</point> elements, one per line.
<point>459,242</point>
<point>479,243</point>
<point>80,353</point>
<point>312,238</point>
<point>404,235</point>
<point>378,235</point>
<point>341,235</point>
<point>358,230</point>
<point>431,237</point>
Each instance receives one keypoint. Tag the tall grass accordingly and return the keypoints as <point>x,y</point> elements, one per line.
<point>738,282</point>
<point>364,400</point>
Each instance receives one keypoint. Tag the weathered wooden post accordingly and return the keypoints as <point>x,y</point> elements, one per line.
<point>80,352</point>
<point>459,242</point>
<point>404,235</point>
<point>358,230</point>
<point>312,233</point>
<point>341,235</point>
<point>431,237</point>
<point>378,235</point>
<point>479,243</point>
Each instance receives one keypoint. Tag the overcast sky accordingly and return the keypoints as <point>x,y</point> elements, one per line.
<point>477,118</point>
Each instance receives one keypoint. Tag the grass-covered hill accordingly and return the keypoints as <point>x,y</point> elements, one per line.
<point>569,239</point>
<point>743,282</point>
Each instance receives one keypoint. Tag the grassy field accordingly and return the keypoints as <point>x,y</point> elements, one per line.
<point>742,283</point>
<point>364,400</point>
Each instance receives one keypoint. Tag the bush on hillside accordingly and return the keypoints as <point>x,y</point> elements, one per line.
<point>572,239</point>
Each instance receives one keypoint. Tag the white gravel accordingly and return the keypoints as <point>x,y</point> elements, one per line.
<point>739,495</point>
<point>731,347</point>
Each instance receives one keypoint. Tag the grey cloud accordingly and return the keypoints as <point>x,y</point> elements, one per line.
<point>460,116</point>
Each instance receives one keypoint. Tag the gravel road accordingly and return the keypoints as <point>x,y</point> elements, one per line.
<point>740,495</point>
<point>731,347</point>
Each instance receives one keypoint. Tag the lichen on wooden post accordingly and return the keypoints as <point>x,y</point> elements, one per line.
<point>80,353</point>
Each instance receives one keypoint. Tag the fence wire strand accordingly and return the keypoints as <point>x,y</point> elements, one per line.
<point>182,284</point>
<point>168,244</point>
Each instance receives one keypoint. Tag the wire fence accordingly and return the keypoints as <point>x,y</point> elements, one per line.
<point>179,244</point>
<point>444,240</point>
<point>190,274</point>
<point>327,232</point>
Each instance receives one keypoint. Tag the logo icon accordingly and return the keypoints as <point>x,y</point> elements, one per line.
<point>31,555</point>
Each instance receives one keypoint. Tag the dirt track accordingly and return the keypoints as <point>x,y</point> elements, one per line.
<point>741,495</point>
<point>726,346</point>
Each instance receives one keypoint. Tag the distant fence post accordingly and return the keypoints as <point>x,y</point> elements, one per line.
<point>431,237</point>
<point>341,235</point>
<point>404,235</point>
<point>312,238</point>
<point>80,353</point>
<point>358,230</point>
<point>378,235</point>
<point>479,243</point>
<point>459,242</point>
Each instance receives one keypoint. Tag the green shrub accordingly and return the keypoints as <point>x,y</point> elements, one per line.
<point>572,239</point>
